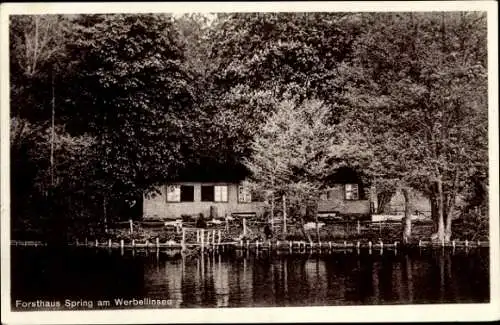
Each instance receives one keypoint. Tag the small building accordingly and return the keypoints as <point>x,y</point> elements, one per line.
<point>209,188</point>
<point>345,197</point>
<point>215,197</point>
<point>192,198</point>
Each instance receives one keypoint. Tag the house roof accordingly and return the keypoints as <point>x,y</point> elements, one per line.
<point>344,175</point>
<point>211,172</point>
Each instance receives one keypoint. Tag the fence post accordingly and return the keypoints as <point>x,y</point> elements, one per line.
<point>244,226</point>
<point>183,242</point>
<point>109,242</point>
<point>133,243</point>
<point>202,233</point>
<point>213,237</point>
<point>157,242</point>
<point>131,226</point>
<point>219,237</point>
<point>96,243</point>
<point>121,243</point>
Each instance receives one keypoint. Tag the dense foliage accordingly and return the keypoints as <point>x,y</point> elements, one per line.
<point>106,107</point>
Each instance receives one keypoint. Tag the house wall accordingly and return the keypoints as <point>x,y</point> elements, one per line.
<point>336,202</point>
<point>419,202</point>
<point>158,207</point>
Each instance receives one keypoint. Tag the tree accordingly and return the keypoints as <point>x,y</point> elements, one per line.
<point>38,71</point>
<point>37,51</point>
<point>296,53</point>
<point>133,94</point>
<point>419,82</point>
<point>123,98</point>
<point>294,151</point>
<point>257,60</point>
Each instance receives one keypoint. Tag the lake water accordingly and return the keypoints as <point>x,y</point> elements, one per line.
<point>82,278</point>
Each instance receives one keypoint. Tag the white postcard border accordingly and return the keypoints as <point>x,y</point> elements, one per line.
<point>437,312</point>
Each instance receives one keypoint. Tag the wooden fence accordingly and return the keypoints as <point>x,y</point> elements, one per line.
<point>206,242</point>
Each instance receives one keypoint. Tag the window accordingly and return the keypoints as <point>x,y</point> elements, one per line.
<point>211,193</point>
<point>326,195</point>
<point>173,193</point>
<point>207,193</point>
<point>180,193</point>
<point>220,193</point>
<point>244,195</point>
<point>351,192</point>
<point>187,193</point>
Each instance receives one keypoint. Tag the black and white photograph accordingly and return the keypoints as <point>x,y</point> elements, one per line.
<point>185,158</point>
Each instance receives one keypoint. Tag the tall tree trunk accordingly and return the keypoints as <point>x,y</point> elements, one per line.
<point>434,210</point>
<point>440,235</point>
<point>303,230</point>
<point>383,200</point>
<point>55,230</point>
<point>52,131</point>
<point>450,206</point>
<point>284,213</point>
<point>105,215</point>
<point>315,211</point>
<point>449,218</point>
<point>272,212</point>
<point>407,217</point>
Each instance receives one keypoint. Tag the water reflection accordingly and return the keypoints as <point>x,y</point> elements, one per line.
<point>246,279</point>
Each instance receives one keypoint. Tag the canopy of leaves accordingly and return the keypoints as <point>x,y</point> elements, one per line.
<point>418,87</point>
<point>139,99</point>
<point>295,150</point>
<point>133,93</point>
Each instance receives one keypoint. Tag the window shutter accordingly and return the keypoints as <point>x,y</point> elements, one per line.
<point>220,193</point>
<point>224,193</point>
<point>244,195</point>
<point>351,192</point>
<point>173,193</point>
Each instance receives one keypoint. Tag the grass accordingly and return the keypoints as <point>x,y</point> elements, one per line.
<point>387,232</point>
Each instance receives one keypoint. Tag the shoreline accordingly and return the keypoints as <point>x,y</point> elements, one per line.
<point>258,245</point>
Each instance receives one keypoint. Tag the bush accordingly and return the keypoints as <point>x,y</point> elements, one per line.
<point>471,226</point>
